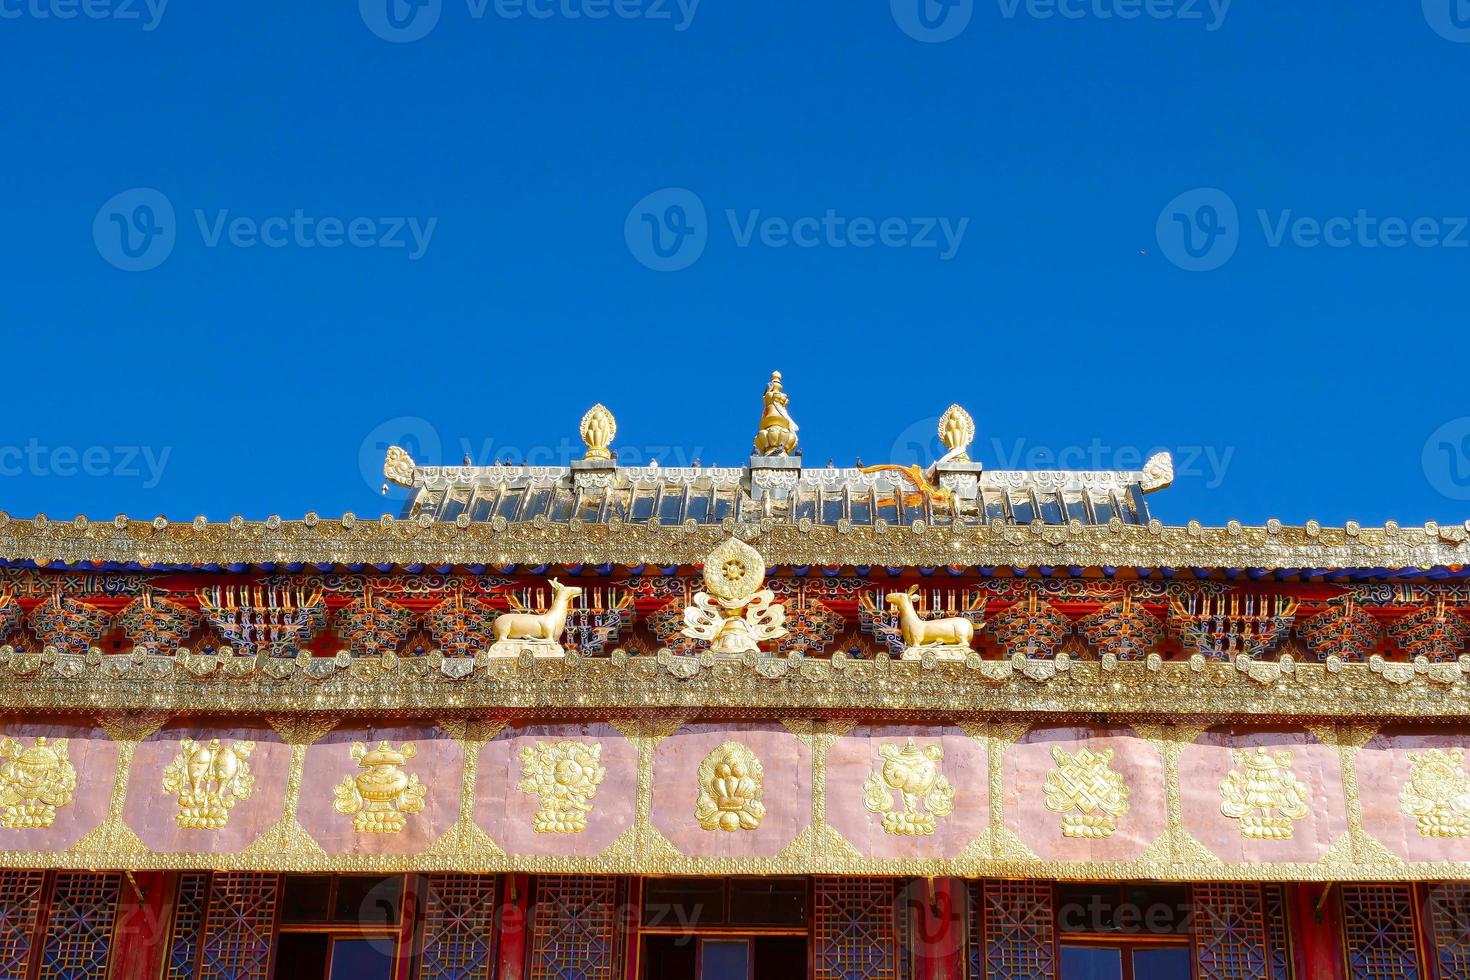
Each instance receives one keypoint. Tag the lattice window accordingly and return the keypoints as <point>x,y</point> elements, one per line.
<point>1012,930</point>
<point>459,923</point>
<point>79,927</point>
<point>573,934</point>
<point>20,902</point>
<point>855,937</point>
<point>238,926</point>
<point>1278,931</point>
<point>1378,929</point>
<point>1449,924</point>
<point>1230,932</point>
<point>188,929</point>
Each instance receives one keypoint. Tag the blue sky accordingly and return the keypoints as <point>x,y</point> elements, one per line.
<point>379,239</point>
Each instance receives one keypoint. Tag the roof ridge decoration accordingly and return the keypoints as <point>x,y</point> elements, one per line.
<point>777,433</point>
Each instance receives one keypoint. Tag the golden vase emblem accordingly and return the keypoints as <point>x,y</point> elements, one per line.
<point>381,794</point>
<point>913,774</point>
<point>34,782</point>
<point>209,779</point>
<point>565,775</point>
<point>1085,781</point>
<point>1263,794</point>
<point>1437,794</point>
<point>730,790</point>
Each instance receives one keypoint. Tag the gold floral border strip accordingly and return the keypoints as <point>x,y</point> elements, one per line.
<point>351,540</point>
<point>817,849</point>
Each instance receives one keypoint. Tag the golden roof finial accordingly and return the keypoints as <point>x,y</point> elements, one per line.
<point>777,435</point>
<point>956,431</point>
<point>598,429</point>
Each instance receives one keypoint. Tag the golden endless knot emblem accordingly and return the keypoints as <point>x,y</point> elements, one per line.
<point>565,775</point>
<point>730,790</point>
<point>209,778</point>
<point>913,773</point>
<point>1437,794</point>
<point>34,782</point>
<point>1085,781</point>
<point>381,793</point>
<point>1263,794</point>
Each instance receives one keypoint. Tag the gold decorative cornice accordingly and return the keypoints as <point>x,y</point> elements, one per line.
<point>352,540</point>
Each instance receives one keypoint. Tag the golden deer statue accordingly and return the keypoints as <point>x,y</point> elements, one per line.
<point>956,631</point>
<point>545,626</point>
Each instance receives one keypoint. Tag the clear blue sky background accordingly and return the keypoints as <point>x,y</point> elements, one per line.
<point>1326,382</point>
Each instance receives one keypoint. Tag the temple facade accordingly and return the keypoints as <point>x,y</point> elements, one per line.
<point>774,721</point>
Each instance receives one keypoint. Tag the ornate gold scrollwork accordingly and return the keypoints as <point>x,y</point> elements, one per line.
<point>209,779</point>
<point>1085,781</point>
<point>1437,794</point>
<point>1263,794</point>
<point>381,793</point>
<point>565,775</point>
<point>35,782</point>
<point>923,791</point>
<point>730,790</point>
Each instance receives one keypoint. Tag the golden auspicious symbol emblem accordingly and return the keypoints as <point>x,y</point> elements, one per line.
<point>565,775</point>
<point>597,430</point>
<point>956,432</point>
<point>380,794</point>
<point>209,778</point>
<point>1437,794</point>
<point>1085,781</point>
<point>34,782</point>
<point>1263,794</point>
<point>777,433</point>
<point>922,789</point>
<point>735,614</point>
<point>730,790</point>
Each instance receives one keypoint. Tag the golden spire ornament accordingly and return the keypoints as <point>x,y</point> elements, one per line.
<point>956,432</point>
<point>597,430</point>
<point>777,434</point>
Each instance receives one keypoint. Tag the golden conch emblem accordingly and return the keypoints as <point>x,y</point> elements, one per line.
<point>730,790</point>
<point>379,796</point>
<point>565,775</point>
<point>913,773</point>
<point>956,432</point>
<point>1437,794</point>
<point>209,778</point>
<point>1086,782</point>
<point>1263,794</point>
<point>35,782</point>
<point>598,429</point>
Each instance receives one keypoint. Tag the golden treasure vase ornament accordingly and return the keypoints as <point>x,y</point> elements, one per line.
<point>913,773</point>
<point>1086,782</point>
<point>598,429</point>
<point>209,778</point>
<point>730,790</point>
<point>777,433</point>
<point>381,793</point>
<point>1437,794</point>
<point>735,615</point>
<point>35,782</point>
<point>565,775</point>
<point>540,633</point>
<point>1263,794</point>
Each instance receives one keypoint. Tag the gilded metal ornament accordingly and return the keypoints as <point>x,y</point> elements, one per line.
<point>379,796</point>
<point>35,781</point>
<point>565,775</point>
<point>540,633</point>
<point>735,615</point>
<point>598,429</point>
<point>209,779</point>
<point>1263,794</point>
<point>1437,794</point>
<point>924,793</point>
<point>956,432</point>
<point>952,636</point>
<point>730,790</point>
<point>777,433</point>
<point>1086,782</point>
